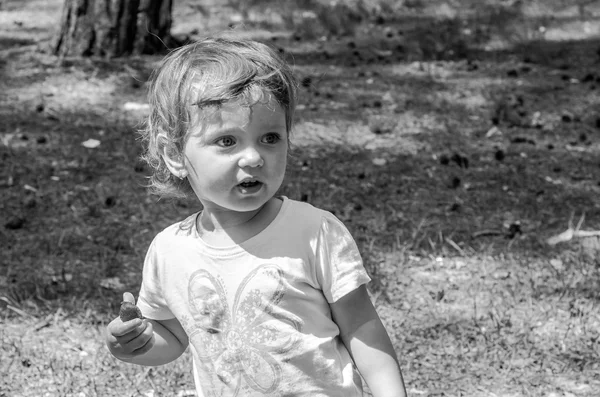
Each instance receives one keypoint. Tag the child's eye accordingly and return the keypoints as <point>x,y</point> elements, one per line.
<point>271,138</point>
<point>226,141</point>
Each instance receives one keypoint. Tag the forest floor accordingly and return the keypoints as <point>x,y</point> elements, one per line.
<point>453,149</point>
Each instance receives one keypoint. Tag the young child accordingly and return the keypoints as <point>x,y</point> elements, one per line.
<point>269,293</point>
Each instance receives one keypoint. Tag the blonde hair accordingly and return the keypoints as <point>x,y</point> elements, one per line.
<point>205,74</point>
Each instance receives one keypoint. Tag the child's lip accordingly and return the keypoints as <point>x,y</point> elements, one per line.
<point>252,187</point>
<point>252,180</point>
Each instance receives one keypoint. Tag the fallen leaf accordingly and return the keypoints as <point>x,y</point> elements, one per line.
<point>493,131</point>
<point>553,181</point>
<point>560,238</point>
<point>557,264</point>
<point>501,274</point>
<point>113,283</point>
<point>91,143</point>
<point>135,106</point>
<point>186,393</point>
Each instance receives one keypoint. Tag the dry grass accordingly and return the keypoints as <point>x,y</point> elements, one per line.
<point>384,126</point>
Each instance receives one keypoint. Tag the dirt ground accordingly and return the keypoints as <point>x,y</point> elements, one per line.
<point>453,143</point>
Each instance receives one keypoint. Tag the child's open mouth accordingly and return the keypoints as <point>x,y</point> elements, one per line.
<point>250,186</point>
<point>249,183</point>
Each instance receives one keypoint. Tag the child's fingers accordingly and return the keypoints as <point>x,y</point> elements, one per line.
<point>146,342</point>
<point>118,328</point>
<point>134,343</point>
<point>135,332</point>
<point>145,348</point>
<point>139,342</point>
<point>131,338</point>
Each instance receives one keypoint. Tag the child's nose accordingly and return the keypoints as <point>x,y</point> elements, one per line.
<point>251,158</point>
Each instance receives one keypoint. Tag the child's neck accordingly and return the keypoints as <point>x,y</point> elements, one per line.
<point>212,220</point>
<point>224,228</point>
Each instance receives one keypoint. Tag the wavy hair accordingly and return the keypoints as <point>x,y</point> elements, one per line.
<point>202,75</point>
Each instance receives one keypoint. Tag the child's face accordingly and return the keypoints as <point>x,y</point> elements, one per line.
<point>236,158</point>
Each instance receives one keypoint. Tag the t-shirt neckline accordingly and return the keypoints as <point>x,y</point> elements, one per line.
<point>249,243</point>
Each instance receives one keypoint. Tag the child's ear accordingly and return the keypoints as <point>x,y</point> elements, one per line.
<point>174,162</point>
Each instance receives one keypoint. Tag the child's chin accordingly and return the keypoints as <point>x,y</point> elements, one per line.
<point>248,204</point>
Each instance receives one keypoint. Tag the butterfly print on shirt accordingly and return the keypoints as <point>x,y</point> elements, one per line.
<point>236,347</point>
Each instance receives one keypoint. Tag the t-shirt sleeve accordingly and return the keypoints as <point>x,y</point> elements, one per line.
<point>151,300</point>
<point>338,265</point>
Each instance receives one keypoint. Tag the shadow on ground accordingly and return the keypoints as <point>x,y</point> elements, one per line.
<point>77,215</point>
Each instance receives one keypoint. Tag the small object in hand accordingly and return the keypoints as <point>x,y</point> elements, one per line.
<point>129,311</point>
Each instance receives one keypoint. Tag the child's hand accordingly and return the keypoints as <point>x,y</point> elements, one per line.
<point>130,338</point>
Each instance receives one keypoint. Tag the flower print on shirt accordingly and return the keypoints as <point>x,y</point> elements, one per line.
<point>236,347</point>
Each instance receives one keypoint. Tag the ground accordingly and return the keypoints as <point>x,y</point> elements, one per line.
<point>453,145</point>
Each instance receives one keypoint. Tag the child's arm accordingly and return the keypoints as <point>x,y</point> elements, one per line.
<point>146,342</point>
<point>369,344</point>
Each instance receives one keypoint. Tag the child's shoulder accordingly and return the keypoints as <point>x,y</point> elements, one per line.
<point>181,229</point>
<point>304,221</point>
<point>302,208</point>
<point>303,213</point>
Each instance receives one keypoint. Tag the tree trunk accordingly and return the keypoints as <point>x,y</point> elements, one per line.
<point>154,26</point>
<point>113,28</point>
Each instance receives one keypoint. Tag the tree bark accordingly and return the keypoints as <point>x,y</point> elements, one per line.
<point>113,28</point>
<point>154,26</point>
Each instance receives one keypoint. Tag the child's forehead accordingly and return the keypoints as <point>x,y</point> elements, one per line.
<point>240,112</point>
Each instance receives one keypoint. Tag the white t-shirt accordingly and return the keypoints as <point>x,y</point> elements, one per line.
<point>257,314</point>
